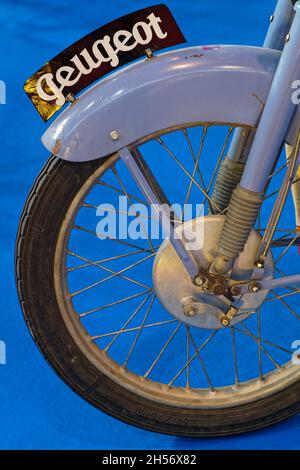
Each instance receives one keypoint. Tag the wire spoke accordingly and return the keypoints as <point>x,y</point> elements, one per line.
<point>277,190</point>
<point>285,304</point>
<point>117,211</point>
<point>117,190</point>
<point>280,297</point>
<point>200,359</point>
<point>196,166</point>
<point>160,141</point>
<point>91,263</point>
<point>115,274</point>
<point>196,161</point>
<point>258,342</point>
<point>279,271</point>
<point>268,196</point>
<point>278,170</point>
<point>139,332</point>
<point>188,355</point>
<point>278,240</point>
<point>162,351</point>
<point>105,237</point>
<point>136,328</point>
<point>286,249</point>
<point>192,357</point>
<point>261,340</point>
<point>260,368</point>
<point>127,322</point>
<point>105,260</point>
<point>236,370</point>
<point>112,304</point>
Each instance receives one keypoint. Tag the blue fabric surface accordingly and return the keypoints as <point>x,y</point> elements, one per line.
<point>37,410</point>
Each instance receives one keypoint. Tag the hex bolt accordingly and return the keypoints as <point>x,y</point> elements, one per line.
<point>199,281</point>
<point>225,322</point>
<point>254,287</point>
<point>190,311</point>
<point>115,135</point>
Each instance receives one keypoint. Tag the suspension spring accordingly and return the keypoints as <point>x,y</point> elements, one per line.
<point>243,210</point>
<point>228,178</point>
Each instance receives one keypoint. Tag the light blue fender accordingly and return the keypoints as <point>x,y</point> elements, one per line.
<point>200,84</point>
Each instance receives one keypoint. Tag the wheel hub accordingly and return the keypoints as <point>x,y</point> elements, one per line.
<point>188,301</point>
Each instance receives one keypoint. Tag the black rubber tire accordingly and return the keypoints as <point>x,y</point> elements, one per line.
<point>40,224</point>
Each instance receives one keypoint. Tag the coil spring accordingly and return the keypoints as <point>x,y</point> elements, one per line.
<point>228,178</point>
<point>243,209</point>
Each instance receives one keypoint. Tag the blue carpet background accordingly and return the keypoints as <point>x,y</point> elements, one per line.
<point>37,411</point>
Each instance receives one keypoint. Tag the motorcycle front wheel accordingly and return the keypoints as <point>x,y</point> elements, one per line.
<point>90,304</point>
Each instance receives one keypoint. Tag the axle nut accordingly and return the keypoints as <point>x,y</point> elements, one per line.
<point>254,287</point>
<point>190,311</point>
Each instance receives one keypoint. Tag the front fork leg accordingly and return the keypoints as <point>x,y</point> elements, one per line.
<point>231,169</point>
<point>295,186</point>
<point>276,118</point>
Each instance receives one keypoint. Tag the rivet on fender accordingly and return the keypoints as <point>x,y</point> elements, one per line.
<point>149,54</point>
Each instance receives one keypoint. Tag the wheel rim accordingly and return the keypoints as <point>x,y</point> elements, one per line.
<point>100,348</point>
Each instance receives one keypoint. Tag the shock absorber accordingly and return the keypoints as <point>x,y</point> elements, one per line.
<point>276,117</point>
<point>242,205</point>
<point>231,169</point>
<point>243,209</point>
<point>228,178</point>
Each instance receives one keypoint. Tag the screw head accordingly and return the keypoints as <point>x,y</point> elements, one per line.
<point>225,322</point>
<point>199,281</point>
<point>149,54</point>
<point>190,311</point>
<point>271,18</point>
<point>115,135</point>
<point>254,287</point>
<point>70,98</point>
<point>287,37</point>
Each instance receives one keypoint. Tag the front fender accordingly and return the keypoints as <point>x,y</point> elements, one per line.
<point>201,84</point>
